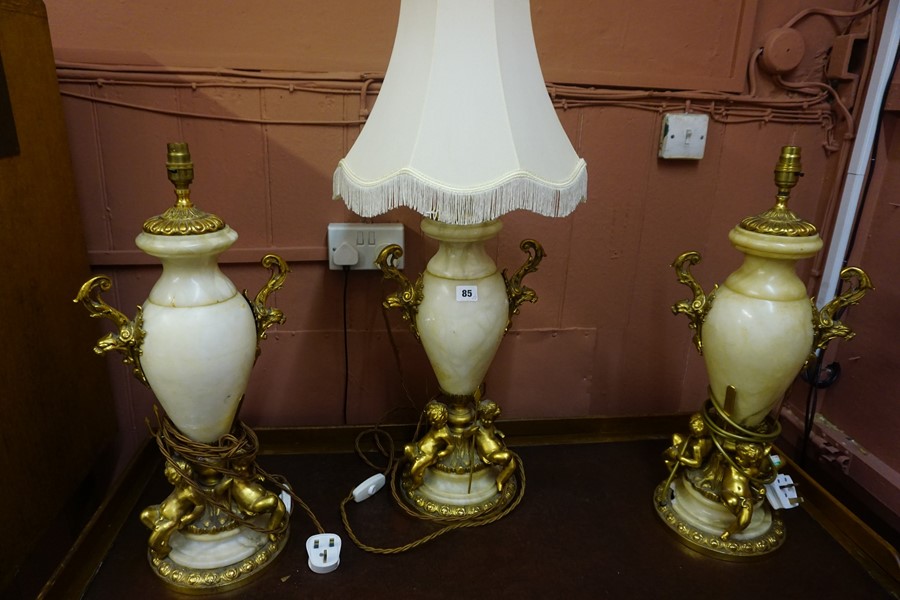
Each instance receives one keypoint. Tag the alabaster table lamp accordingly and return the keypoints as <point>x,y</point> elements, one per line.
<point>463,131</point>
<point>756,332</point>
<point>193,343</point>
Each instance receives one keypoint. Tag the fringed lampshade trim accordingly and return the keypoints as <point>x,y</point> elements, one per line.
<point>461,207</point>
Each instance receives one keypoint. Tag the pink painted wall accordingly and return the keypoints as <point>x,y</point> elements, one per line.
<point>601,340</point>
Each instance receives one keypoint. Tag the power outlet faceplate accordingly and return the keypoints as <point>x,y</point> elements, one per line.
<point>683,135</point>
<point>357,245</point>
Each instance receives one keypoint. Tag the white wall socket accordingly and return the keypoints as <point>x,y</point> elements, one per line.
<point>357,245</point>
<point>683,135</point>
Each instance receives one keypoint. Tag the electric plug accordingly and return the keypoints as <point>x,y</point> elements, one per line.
<point>288,501</point>
<point>368,488</point>
<point>345,255</point>
<point>324,551</point>
<point>782,493</point>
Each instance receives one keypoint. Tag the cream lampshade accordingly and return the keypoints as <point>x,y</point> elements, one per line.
<point>463,131</point>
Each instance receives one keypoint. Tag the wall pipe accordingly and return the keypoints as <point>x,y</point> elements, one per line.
<point>863,149</point>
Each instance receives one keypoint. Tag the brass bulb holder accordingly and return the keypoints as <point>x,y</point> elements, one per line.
<point>184,218</point>
<point>780,220</point>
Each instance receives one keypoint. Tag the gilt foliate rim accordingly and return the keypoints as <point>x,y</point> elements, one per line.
<point>183,220</point>
<point>780,221</point>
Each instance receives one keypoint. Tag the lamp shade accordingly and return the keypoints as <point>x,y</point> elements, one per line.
<point>463,129</point>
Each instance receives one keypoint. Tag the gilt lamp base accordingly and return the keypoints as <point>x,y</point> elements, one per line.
<point>699,523</point>
<point>216,562</point>
<point>449,494</point>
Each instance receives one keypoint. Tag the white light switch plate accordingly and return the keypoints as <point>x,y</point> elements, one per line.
<point>683,135</point>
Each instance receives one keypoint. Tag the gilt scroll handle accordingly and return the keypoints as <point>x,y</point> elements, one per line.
<point>266,316</point>
<point>409,296</point>
<point>697,307</point>
<point>825,327</point>
<point>515,290</point>
<point>130,334</point>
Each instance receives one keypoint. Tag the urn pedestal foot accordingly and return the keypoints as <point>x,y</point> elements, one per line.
<point>699,523</point>
<point>715,498</point>
<point>218,561</point>
<point>447,494</point>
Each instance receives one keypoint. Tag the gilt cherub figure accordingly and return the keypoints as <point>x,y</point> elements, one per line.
<point>437,443</point>
<point>741,489</point>
<point>490,445</point>
<point>248,495</point>
<point>182,506</point>
<point>692,450</point>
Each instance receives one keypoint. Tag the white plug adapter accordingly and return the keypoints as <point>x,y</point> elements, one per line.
<point>324,550</point>
<point>288,501</point>
<point>346,255</point>
<point>368,488</point>
<point>782,493</point>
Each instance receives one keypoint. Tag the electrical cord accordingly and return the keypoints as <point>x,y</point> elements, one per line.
<point>346,345</point>
<point>812,375</point>
<point>732,433</point>
<point>449,523</point>
<point>397,359</point>
<point>241,443</point>
<point>736,434</point>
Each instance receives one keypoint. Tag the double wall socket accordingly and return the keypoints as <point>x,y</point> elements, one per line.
<point>683,135</point>
<point>357,245</point>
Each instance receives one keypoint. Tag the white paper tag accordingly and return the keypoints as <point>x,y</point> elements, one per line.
<point>467,293</point>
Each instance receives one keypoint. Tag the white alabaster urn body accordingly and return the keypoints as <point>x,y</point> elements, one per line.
<point>465,308</point>
<point>759,329</point>
<point>200,334</point>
